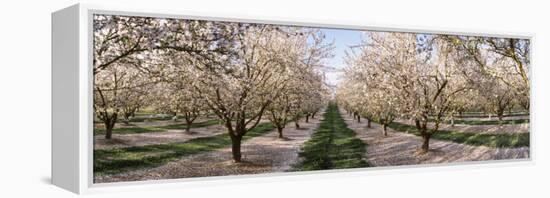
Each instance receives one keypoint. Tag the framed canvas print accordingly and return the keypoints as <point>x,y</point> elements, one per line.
<point>152,96</point>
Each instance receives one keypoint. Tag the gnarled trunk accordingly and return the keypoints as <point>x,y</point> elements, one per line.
<point>188,123</point>
<point>368,123</point>
<point>297,124</point>
<point>188,128</point>
<point>426,142</point>
<point>236,147</point>
<point>126,120</point>
<point>127,114</point>
<point>236,134</point>
<point>109,125</point>
<point>422,128</point>
<point>108,133</point>
<point>307,118</point>
<point>385,130</point>
<point>189,119</point>
<point>280,131</point>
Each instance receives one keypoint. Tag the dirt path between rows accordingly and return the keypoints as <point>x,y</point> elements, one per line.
<point>483,129</point>
<point>152,123</point>
<point>515,117</point>
<point>401,149</point>
<point>143,139</point>
<point>152,138</point>
<point>262,154</point>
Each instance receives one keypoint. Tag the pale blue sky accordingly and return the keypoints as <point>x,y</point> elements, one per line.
<point>343,39</point>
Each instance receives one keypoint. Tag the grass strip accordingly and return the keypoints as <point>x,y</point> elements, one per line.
<point>333,145</point>
<point>112,161</point>
<point>476,139</point>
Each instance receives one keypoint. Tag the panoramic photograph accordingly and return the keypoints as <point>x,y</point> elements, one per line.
<point>177,98</point>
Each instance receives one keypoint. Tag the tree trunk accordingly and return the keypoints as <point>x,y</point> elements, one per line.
<point>126,120</point>
<point>385,130</point>
<point>188,128</point>
<point>297,124</point>
<point>280,131</point>
<point>108,133</point>
<point>368,123</point>
<point>422,128</point>
<point>236,148</point>
<point>426,142</point>
<point>313,115</point>
<point>358,118</point>
<point>307,118</point>
<point>188,125</point>
<point>127,115</point>
<point>109,125</point>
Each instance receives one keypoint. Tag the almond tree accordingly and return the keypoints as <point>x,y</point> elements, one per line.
<point>118,89</point>
<point>417,76</point>
<point>180,101</point>
<point>429,78</point>
<point>118,37</point>
<point>495,96</point>
<point>377,103</point>
<point>435,81</point>
<point>176,94</point>
<point>119,76</point>
<point>240,70</point>
<point>369,85</point>
<point>304,94</point>
<point>127,46</point>
<point>350,95</point>
<point>305,91</point>
<point>316,99</point>
<point>135,98</point>
<point>504,59</point>
<point>470,99</point>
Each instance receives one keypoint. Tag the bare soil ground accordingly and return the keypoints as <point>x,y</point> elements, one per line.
<point>168,136</point>
<point>484,129</point>
<point>402,149</point>
<point>262,154</point>
<point>143,139</point>
<point>515,117</point>
<point>152,123</point>
<point>488,129</point>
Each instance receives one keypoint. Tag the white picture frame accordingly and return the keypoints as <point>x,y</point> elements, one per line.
<point>72,124</point>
